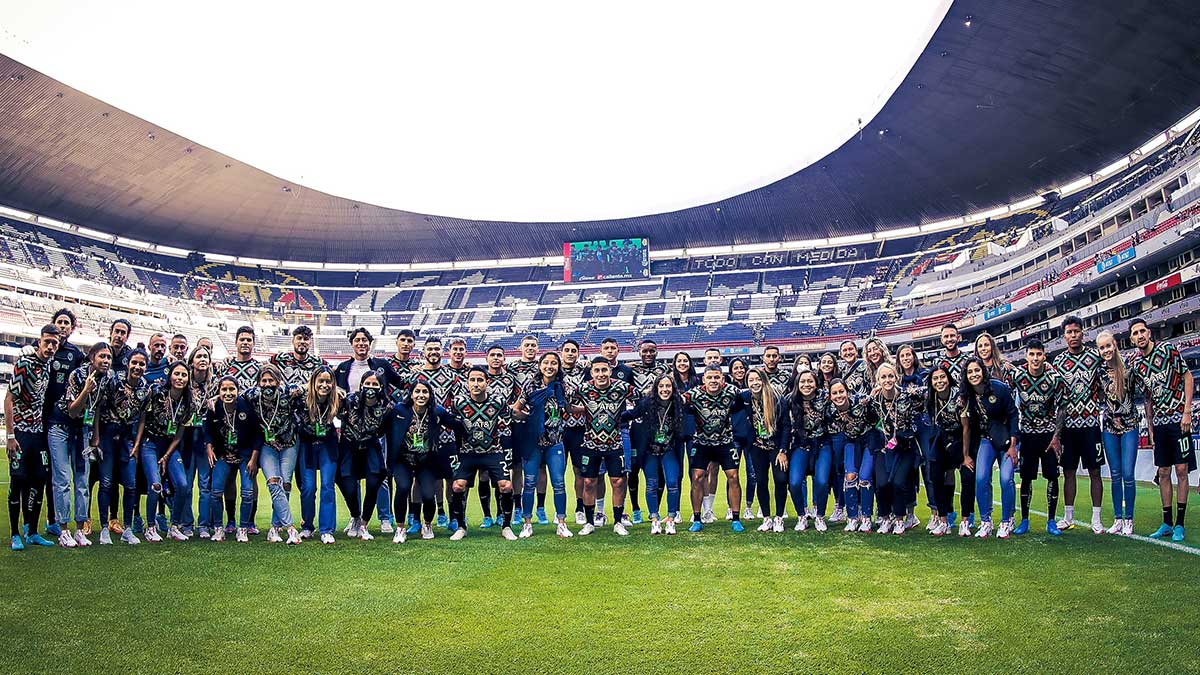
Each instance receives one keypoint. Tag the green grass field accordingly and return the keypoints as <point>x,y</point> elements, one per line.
<point>693,603</point>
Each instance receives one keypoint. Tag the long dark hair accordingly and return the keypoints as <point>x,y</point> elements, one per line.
<point>796,405</point>
<point>746,369</point>
<point>186,397</point>
<point>824,381</point>
<point>931,395</point>
<point>968,392</point>
<point>691,373</point>
<point>675,402</point>
<point>360,401</point>
<point>541,379</point>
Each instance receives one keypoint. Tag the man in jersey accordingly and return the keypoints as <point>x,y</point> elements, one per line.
<point>646,371</point>
<point>447,385</point>
<point>601,401</point>
<point>178,348</point>
<point>156,369</point>
<point>1168,387</point>
<point>574,377</point>
<point>952,359</point>
<point>1040,392</point>
<point>713,404</point>
<point>486,448</point>
<point>243,368</point>
<point>402,365</point>
<point>712,359</point>
<point>66,359</point>
<point>118,339</point>
<point>523,369</point>
<point>1080,368</point>
<point>24,410</point>
<point>458,358</point>
<point>611,351</point>
<point>776,376</point>
<point>502,384</point>
<point>300,363</point>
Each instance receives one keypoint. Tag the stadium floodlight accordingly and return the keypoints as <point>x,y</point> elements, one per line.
<point>1153,144</point>
<point>51,222</point>
<point>758,248</point>
<point>1076,186</point>
<point>342,267</point>
<point>431,266</point>
<point>260,262</point>
<point>389,267</point>
<point>302,265</point>
<point>1186,122</point>
<point>172,251</point>
<point>666,253</point>
<point>1113,168</point>
<point>800,244</point>
<point>1026,203</point>
<point>473,264</point>
<point>898,232</point>
<point>95,234</point>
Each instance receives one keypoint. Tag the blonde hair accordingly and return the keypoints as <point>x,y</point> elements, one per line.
<point>766,399</point>
<point>999,363</point>
<point>871,369</point>
<point>310,397</point>
<point>1117,365</point>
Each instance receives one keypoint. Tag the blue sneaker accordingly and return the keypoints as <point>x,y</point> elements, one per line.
<point>737,526</point>
<point>517,519</point>
<point>637,517</point>
<point>1052,528</point>
<point>1162,531</point>
<point>139,525</point>
<point>453,526</point>
<point>541,516</point>
<point>39,541</point>
<point>696,526</point>
<point>442,520</point>
<point>160,521</point>
<point>412,519</point>
<point>17,543</point>
<point>487,523</point>
<point>1023,528</point>
<point>1177,536</point>
<point>415,528</point>
<point>53,531</point>
<point>951,518</point>
<point>971,521</point>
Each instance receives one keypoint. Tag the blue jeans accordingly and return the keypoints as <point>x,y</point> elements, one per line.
<point>153,449</point>
<point>222,472</point>
<point>751,475</point>
<point>555,459</point>
<point>67,464</point>
<point>927,451</point>
<point>279,466</point>
<point>672,475</point>
<point>858,460</point>
<point>116,466</point>
<point>1122,452</point>
<point>319,457</point>
<point>986,458</point>
<point>823,458</point>
<point>195,464</point>
<point>798,479</point>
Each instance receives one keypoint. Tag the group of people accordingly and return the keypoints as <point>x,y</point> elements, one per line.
<point>411,435</point>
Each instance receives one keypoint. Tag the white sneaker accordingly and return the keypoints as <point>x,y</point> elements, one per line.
<point>458,534</point>
<point>293,537</point>
<point>1064,524</point>
<point>932,524</point>
<point>151,534</point>
<point>175,533</point>
<point>588,528</point>
<point>327,538</point>
<point>217,535</point>
<point>656,527</point>
<point>964,528</point>
<point>669,527</point>
<point>526,530</point>
<point>760,515</point>
<point>839,515</point>
<point>778,525</point>
<point>768,524</point>
<point>898,527</point>
<point>130,538</point>
<point>985,529</point>
<point>729,514</point>
<point>306,534</point>
<point>352,528</point>
<point>1005,529</point>
<point>600,519</point>
<point>385,526</point>
<point>619,529</point>
<point>821,526</point>
<point>65,539</point>
<point>81,539</point>
<point>1127,527</point>
<point>626,521</point>
<point>105,537</point>
<point>364,533</point>
<point>273,536</point>
<point>565,532</point>
<point>509,534</point>
<point>886,526</point>
<point>426,531</point>
<point>1097,526</point>
<point>851,525</point>
<point>1117,527</point>
<point>911,521</point>
<point>243,535</point>
<point>707,518</point>
<point>400,536</point>
<point>580,518</point>
<point>801,523</point>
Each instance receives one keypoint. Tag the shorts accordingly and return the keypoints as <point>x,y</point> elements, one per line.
<point>1082,446</point>
<point>1035,449</point>
<point>573,442</point>
<point>700,456</point>
<point>35,457</point>
<point>1172,446</point>
<point>611,461</point>
<point>498,465</point>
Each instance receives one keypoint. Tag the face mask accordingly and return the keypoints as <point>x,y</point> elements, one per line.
<point>268,391</point>
<point>370,392</point>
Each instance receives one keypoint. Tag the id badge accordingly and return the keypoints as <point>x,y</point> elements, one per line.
<point>762,431</point>
<point>416,443</point>
<point>89,417</point>
<point>230,440</point>
<point>195,420</point>
<point>269,437</point>
<point>172,429</point>
<point>660,437</point>
<point>319,429</point>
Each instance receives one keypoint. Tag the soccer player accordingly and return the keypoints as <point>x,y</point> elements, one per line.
<point>601,401</point>
<point>79,405</point>
<point>413,427</point>
<point>178,348</point>
<point>401,362</point>
<point>574,376</point>
<point>504,385</point>
<point>314,415</point>
<point>243,368</point>
<point>1040,393</point>
<point>777,377</point>
<point>458,358</point>
<point>952,358</point>
<point>160,433</point>
<point>944,404</point>
<point>1168,386</point>
<point>850,415</point>
<point>646,371</point>
<point>913,375</point>
<point>486,448</point>
<point>121,402</point>
<point>232,439</point>
<point>300,363</point>
<point>854,371</point>
<point>195,446</point>
<point>542,401</point>
<point>713,404</point>
<point>525,369</point>
<point>1121,419</point>
<point>990,425</point>
<point>1080,368</point>
<point>66,359</point>
<point>157,369</point>
<point>24,411</point>
<point>712,359</point>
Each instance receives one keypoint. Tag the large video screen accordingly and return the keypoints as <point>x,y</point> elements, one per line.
<point>606,260</point>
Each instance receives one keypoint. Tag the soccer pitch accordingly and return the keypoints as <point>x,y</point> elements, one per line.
<point>693,603</point>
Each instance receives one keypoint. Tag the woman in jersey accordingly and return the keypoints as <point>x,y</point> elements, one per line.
<point>121,403</point>
<point>996,366</point>
<point>742,437</point>
<point>763,419</point>
<point>991,428</point>
<point>80,402</point>
<point>827,371</point>
<point>273,402</point>
<point>875,354</point>
<point>365,417</point>
<point>232,442</point>
<point>543,402</point>
<point>195,444</point>
<point>943,406</point>
<point>803,433</point>
<point>1122,417</point>
<point>913,375</point>
<point>897,409</point>
<point>683,373</point>
<point>849,418</point>
<point>661,431</point>
<point>413,427</point>
<point>160,435</point>
<point>317,419</point>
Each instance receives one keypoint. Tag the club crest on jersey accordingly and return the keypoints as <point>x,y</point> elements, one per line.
<point>242,416</point>
<point>992,398</point>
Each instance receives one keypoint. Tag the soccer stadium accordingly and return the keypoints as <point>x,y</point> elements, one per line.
<point>662,337</point>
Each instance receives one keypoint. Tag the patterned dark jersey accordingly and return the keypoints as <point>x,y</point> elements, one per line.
<point>1120,414</point>
<point>553,413</point>
<point>713,411</point>
<point>276,414</point>
<point>954,364</point>
<point>75,384</point>
<point>362,422</point>
<point>816,416</point>
<point>120,360</point>
<point>1039,398</point>
<point>245,372</point>
<point>855,377</point>
<point>779,381</point>
<point>644,376</point>
<point>1161,374</point>
<point>523,370</point>
<point>947,413</point>
<point>404,373</point>
<point>447,386</point>
<point>898,415</point>
<point>858,416</point>
<point>1003,372</point>
<point>320,426</point>
<point>31,378</point>
<point>1081,373</point>
<point>461,371</point>
<point>202,392</point>
<point>296,371</point>
<point>602,413</point>
<point>487,424</point>
<point>164,417</point>
<point>122,401</point>
<point>504,386</point>
<point>573,379</point>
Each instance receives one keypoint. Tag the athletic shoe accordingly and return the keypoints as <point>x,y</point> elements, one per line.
<point>105,537</point>
<point>565,532</point>
<point>601,520</point>
<point>243,535</point>
<point>1023,528</point>
<point>87,527</point>
<point>1127,527</point>
<point>1064,525</point>
<point>619,529</point>
<point>115,526</point>
<point>939,529</point>
<point>637,517</point>
<point>386,526</point>
<point>1177,535</point>
<point>778,525</point>
<point>737,526</point>
<point>306,533</point>
<point>898,527</point>
<point>509,534</point>
<point>758,513</point>
<point>626,521</point>
<point>273,536</point>
<point>400,536</point>
<point>964,529</point>
<point>526,530</point>
<point>851,525</point>
<point>951,519</point>
<point>415,527</point>
<point>543,520</point>
<point>365,534</point>
<point>669,527</point>
<point>252,530</point>
<point>729,514</point>
<point>706,517</point>
<point>81,539</point>
<point>1052,529</point>
<point>801,523</point>
<point>53,530</point>
<point>351,528</point>
<point>327,538</point>
<point>175,533</point>
<point>187,531</point>
<point>230,527</point>
<point>517,519</point>
<point>696,526</point>
<point>65,539</point>
<point>1005,530</point>
<point>820,524</point>
<point>985,529</point>
<point>487,523</point>
<point>1097,525</point>
<point>17,543</point>
<point>426,532</point>
<point>580,518</point>
<point>933,522</point>
<point>864,524</point>
<point>130,538</point>
<point>767,525</point>
<point>205,533</point>
<point>886,526</point>
<point>839,515</point>
<point>588,528</point>
<point>219,535</point>
<point>1117,526</point>
<point>293,537</point>
<point>911,521</point>
<point>443,520</point>
<point>151,534</point>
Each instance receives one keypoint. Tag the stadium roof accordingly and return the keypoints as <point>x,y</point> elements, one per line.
<point>1030,96</point>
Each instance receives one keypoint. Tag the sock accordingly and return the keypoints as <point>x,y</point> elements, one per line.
<point>1069,513</point>
<point>485,498</point>
<point>589,512</point>
<point>1095,513</point>
<point>737,515</point>
<point>696,517</point>
<point>1167,520</point>
<point>578,505</point>
<point>1052,497</point>
<point>517,502</point>
<point>1026,497</point>
<point>1180,510</point>
<point>707,502</point>
<point>600,505</point>
<point>618,513</point>
<point>541,500</point>
<point>458,509</point>
<point>506,507</point>
<point>14,510</point>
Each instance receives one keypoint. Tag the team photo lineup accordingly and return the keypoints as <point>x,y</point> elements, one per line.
<point>165,442</point>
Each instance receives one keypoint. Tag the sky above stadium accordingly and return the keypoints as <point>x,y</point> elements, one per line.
<point>535,111</point>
